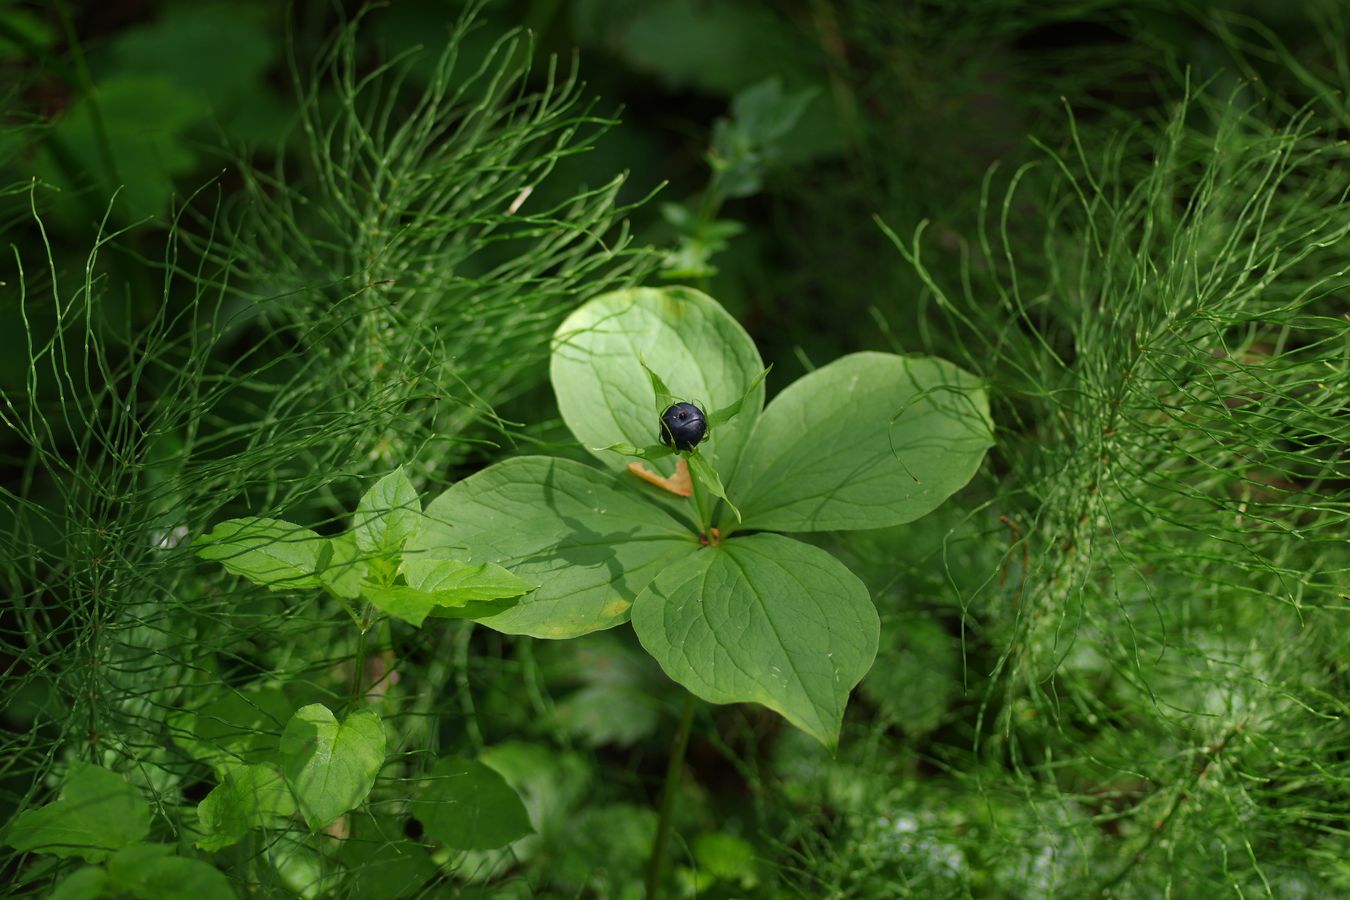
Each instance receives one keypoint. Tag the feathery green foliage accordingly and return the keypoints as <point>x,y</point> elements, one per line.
<point>1152,595</point>
<point>373,305</point>
<point>1112,666</point>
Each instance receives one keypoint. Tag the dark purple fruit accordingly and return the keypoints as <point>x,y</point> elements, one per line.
<point>683,426</point>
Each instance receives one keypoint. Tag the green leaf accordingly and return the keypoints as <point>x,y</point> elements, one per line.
<point>247,797</point>
<point>727,413</point>
<point>918,673</point>
<point>407,604</point>
<point>700,351</point>
<point>331,765</point>
<point>552,784</point>
<point>650,452</point>
<point>207,48</point>
<point>870,440</point>
<point>465,582</point>
<point>745,146</point>
<point>275,554</point>
<point>152,872</point>
<point>726,857</point>
<point>301,867</point>
<point>345,567</point>
<point>663,398</point>
<point>763,619</point>
<point>765,113</point>
<point>96,813</point>
<point>387,515</point>
<point>707,476</point>
<point>716,47</point>
<point>379,864</point>
<point>467,806</point>
<point>590,544</point>
<point>239,727</point>
<point>469,589</point>
<point>608,713</point>
<point>88,883</point>
<point>144,119</point>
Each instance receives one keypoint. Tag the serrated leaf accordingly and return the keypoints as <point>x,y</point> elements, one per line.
<point>96,813</point>
<point>590,543</point>
<point>467,806</point>
<point>763,619</point>
<point>330,765</point>
<point>447,587</point>
<point>268,552</point>
<point>247,797</point>
<point>869,440</point>
<point>345,567</point>
<point>387,515</point>
<point>702,353</point>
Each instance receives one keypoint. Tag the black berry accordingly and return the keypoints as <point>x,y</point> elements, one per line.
<point>683,426</point>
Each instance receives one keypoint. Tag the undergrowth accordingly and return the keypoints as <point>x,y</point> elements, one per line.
<point>373,306</point>
<point>1116,665</point>
<point>1151,598</point>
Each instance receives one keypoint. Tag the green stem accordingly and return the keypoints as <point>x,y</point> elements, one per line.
<point>465,688</point>
<point>358,672</point>
<point>700,499</point>
<point>668,793</point>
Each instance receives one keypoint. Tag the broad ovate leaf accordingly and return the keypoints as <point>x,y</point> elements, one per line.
<point>870,440</point>
<point>387,515</point>
<point>589,542</point>
<point>467,806</point>
<point>154,871</point>
<point>698,351</point>
<point>331,765</point>
<point>269,552</point>
<point>247,797</point>
<point>346,567</point>
<point>448,587</point>
<point>237,727</point>
<point>763,619</point>
<point>96,813</point>
<point>87,883</point>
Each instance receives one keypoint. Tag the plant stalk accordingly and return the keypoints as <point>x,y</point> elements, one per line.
<point>656,864</point>
<point>701,510</point>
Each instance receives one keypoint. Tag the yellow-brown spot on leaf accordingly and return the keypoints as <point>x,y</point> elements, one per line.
<point>679,484</point>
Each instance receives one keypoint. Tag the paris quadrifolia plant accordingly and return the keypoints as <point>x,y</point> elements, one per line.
<point>680,527</point>
<point>686,538</point>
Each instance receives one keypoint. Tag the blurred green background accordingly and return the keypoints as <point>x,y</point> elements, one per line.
<point>260,254</point>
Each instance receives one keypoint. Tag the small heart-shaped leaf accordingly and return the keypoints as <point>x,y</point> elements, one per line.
<point>330,765</point>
